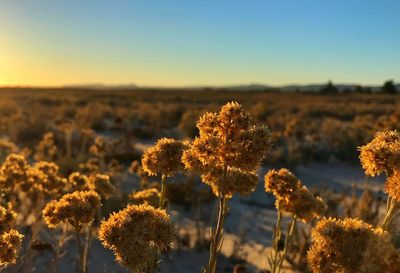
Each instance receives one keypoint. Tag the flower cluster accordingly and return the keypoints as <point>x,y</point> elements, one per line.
<point>46,149</point>
<point>392,186</point>
<point>135,233</point>
<point>382,154</point>
<point>351,245</point>
<point>7,218</point>
<point>13,171</point>
<point>292,197</point>
<point>100,183</point>
<point>54,184</point>
<point>78,181</point>
<point>10,239</point>
<point>164,158</point>
<point>228,150</point>
<point>77,208</point>
<point>150,196</point>
<point>10,244</point>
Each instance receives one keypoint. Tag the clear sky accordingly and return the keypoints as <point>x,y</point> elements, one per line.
<point>203,42</point>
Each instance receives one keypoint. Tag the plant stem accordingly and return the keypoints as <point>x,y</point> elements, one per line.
<point>277,238</point>
<point>86,249</point>
<point>163,191</point>
<point>289,235</point>
<point>216,239</point>
<point>392,209</point>
<point>80,250</point>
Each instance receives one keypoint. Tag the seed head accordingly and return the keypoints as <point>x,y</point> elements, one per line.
<point>236,181</point>
<point>77,208</point>
<point>10,244</point>
<point>135,233</point>
<point>150,196</point>
<point>54,184</point>
<point>79,182</point>
<point>101,183</point>
<point>392,186</point>
<point>7,218</point>
<point>13,171</point>
<point>164,157</point>
<point>351,245</point>
<point>228,140</point>
<point>292,196</point>
<point>382,154</point>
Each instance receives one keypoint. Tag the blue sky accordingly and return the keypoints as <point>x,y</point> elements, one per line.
<point>208,42</point>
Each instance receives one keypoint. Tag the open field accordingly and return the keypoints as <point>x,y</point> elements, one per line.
<point>85,133</point>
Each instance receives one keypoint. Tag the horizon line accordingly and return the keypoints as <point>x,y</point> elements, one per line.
<point>194,86</point>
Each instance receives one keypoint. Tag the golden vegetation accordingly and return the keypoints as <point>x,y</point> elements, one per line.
<point>69,172</point>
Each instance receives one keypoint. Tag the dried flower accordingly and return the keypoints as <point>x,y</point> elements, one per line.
<point>76,208</point>
<point>392,186</point>
<point>54,183</point>
<point>79,182</point>
<point>236,181</point>
<point>92,165</point>
<point>135,233</point>
<point>33,183</point>
<point>382,154</point>
<point>164,158</point>
<point>98,149</point>
<point>46,149</point>
<point>292,197</point>
<point>13,171</point>
<point>102,185</point>
<point>351,245</point>
<point>7,218</point>
<point>149,196</point>
<point>229,146</point>
<point>10,244</point>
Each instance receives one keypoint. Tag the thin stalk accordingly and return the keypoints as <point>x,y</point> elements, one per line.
<point>163,191</point>
<point>217,235</point>
<point>216,240</point>
<point>288,238</point>
<point>86,250</point>
<point>80,250</point>
<point>392,209</point>
<point>277,238</point>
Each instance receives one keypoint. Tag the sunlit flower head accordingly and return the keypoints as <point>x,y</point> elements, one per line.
<point>236,181</point>
<point>101,184</point>
<point>10,245</point>
<point>54,183</point>
<point>13,171</point>
<point>164,158</point>
<point>392,186</point>
<point>150,196</point>
<point>7,218</point>
<point>46,149</point>
<point>78,181</point>
<point>77,208</point>
<point>351,245</point>
<point>134,233</point>
<point>382,154</point>
<point>228,142</point>
<point>292,196</point>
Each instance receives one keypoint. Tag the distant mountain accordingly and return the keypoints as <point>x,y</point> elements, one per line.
<point>100,86</point>
<point>243,87</point>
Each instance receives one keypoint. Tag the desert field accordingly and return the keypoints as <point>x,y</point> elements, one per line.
<point>139,180</point>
